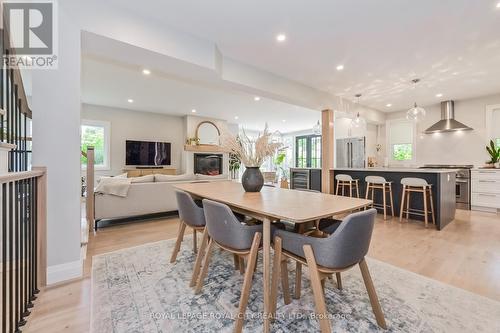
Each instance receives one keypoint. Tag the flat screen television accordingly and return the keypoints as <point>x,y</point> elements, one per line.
<point>147,153</point>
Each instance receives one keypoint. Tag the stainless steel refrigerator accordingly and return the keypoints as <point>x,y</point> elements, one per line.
<point>351,152</point>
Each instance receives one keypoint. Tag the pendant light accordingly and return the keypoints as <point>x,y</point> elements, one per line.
<point>416,113</point>
<point>317,128</point>
<point>358,121</point>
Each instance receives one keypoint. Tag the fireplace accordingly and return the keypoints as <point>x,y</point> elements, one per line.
<point>208,164</point>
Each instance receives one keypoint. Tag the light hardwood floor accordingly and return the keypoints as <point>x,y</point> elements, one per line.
<point>466,254</point>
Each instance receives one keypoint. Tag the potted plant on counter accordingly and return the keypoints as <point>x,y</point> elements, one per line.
<point>494,155</point>
<point>252,153</point>
<point>234,166</point>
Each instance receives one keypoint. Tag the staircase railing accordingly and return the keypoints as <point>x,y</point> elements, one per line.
<point>23,250</point>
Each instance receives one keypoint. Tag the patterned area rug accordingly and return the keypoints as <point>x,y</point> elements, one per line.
<point>138,290</point>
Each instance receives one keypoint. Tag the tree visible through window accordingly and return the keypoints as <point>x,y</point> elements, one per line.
<point>95,135</point>
<point>498,142</point>
<point>402,152</point>
<point>308,151</point>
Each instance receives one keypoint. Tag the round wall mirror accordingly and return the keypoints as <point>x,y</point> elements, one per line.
<point>207,133</point>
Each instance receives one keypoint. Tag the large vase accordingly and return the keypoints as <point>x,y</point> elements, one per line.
<point>252,179</point>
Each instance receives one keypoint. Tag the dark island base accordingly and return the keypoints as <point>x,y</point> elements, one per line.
<point>443,190</point>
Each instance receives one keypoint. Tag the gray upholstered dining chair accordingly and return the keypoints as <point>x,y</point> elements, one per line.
<point>191,215</point>
<point>345,247</point>
<point>224,230</point>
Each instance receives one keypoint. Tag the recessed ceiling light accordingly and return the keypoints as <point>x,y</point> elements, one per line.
<point>388,105</point>
<point>193,110</point>
<point>281,37</point>
<point>498,5</point>
<point>455,73</point>
<point>236,117</point>
<point>439,95</point>
<point>146,71</point>
<point>340,67</point>
<point>284,120</point>
<point>130,100</point>
<point>256,98</point>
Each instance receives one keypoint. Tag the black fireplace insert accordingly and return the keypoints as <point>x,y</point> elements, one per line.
<point>208,164</point>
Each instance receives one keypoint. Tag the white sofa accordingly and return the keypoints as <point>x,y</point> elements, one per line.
<point>144,198</point>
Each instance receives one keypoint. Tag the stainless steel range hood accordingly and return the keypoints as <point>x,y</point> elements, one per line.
<point>447,122</point>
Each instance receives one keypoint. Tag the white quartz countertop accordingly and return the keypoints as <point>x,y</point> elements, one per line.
<point>401,169</point>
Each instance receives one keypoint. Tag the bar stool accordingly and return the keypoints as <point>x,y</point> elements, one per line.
<point>379,183</point>
<point>346,181</point>
<point>417,185</point>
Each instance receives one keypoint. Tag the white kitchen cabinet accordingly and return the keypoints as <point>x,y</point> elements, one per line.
<point>485,190</point>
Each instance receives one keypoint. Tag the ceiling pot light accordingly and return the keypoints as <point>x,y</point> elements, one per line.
<point>439,95</point>
<point>284,120</point>
<point>193,111</point>
<point>236,118</point>
<point>388,105</point>
<point>317,128</point>
<point>340,67</point>
<point>498,5</point>
<point>146,71</point>
<point>130,100</point>
<point>415,113</point>
<point>256,98</point>
<point>281,37</point>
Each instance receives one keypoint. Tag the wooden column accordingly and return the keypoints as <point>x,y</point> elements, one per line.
<point>327,152</point>
<point>90,187</point>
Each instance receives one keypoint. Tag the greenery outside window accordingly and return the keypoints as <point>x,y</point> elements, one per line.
<point>308,151</point>
<point>97,134</point>
<point>402,152</point>
<point>498,142</point>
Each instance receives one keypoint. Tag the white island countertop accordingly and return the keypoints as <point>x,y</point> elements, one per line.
<point>398,169</point>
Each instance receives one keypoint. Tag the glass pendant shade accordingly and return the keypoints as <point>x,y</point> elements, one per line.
<point>416,113</point>
<point>317,128</point>
<point>358,122</point>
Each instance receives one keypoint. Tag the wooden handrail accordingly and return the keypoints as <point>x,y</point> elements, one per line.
<point>41,210</point>
<point>14,176</point>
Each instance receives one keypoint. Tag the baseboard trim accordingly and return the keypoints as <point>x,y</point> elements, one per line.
<point>63,272</point>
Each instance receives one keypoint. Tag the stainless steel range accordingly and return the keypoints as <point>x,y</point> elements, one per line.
<point>463,188</point>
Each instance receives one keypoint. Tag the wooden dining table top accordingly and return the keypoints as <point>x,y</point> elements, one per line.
<point>277,203</point>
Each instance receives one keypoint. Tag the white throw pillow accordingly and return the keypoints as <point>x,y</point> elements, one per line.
<point>173,178</point>
<point>207,177</point>
<point>143,179</point>
<point>123,175</point>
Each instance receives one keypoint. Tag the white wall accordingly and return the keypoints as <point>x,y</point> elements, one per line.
<point>134,125</point>
<point>56,128</point>
<point>467,147</point>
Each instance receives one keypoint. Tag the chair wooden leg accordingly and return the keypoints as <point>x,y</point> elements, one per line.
<point>247,282</point>
<point>350,189</point>
<point>392,200</point>
<point>236,261</point>
<point>408,198</point>
<point>204,270</point>
<point>199,258</point>
<point>298,280</point>
<point>241,261</point>
<point>402,204</point>
<point>339,280</point>
<point>195,242</point>
<point>337,188</point>
<point>276,274</point>
<point>377,310</point>
<point>367,190</point>
<point>284,281</point>
<point>384,194</point>
<point>426,212</point>
<point>319,297</point>
<point>431,199</point>
<point>180,236</point>
<point>357,188</point>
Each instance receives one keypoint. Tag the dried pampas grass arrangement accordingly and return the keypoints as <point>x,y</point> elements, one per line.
<point>252,153</point>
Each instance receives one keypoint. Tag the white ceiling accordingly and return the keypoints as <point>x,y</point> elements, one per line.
<point>452,45</point>
<point>111,83</point>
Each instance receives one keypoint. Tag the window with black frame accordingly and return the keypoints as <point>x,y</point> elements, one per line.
<point>308,151</point>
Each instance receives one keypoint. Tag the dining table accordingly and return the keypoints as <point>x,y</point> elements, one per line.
<point>271,205</point>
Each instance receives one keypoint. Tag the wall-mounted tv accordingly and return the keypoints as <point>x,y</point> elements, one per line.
<point>147,153</point>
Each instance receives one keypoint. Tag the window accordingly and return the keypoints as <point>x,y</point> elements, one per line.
<point>498,142</point>
<point>96,133</point>
<point>308,151</point>
<point>401,140</point>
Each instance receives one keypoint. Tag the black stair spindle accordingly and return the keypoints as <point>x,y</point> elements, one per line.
<point>16,237</point>
<point>26,312</point>
<point>22,322</point>
<point>11,256</point>
<point>4,257</point>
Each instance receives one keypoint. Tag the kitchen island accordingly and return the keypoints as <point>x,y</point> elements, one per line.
<point>443,188</point>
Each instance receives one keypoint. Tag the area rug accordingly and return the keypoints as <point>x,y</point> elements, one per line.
<point>138,290</point>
